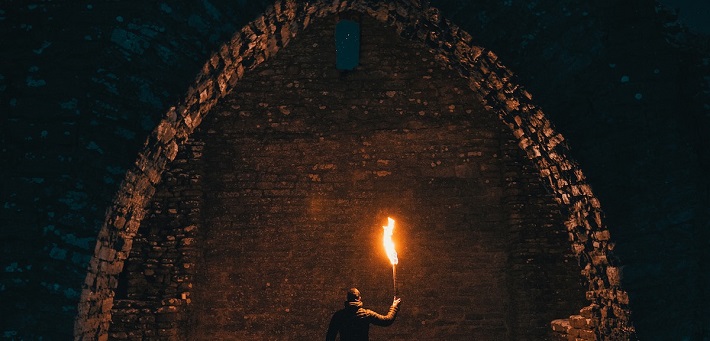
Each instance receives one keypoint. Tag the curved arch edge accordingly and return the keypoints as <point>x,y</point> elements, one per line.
<point>490,82</point>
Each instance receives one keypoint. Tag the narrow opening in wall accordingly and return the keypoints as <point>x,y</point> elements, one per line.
<point>347,42</point>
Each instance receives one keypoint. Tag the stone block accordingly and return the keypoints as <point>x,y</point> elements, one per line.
<point>614,276</point>
<point>587,335</point>
<point>561,325</point>
<point>579,322</point>
<point>622,297</point>
<point>588,311</point>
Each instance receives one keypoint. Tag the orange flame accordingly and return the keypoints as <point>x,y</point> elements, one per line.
<point>388,243</point>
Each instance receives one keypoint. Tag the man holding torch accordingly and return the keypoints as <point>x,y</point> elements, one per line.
<point>353,321</point>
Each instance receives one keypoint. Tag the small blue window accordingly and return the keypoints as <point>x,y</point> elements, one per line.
<point>347,45</point>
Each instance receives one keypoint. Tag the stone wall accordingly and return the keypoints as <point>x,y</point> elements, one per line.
<point>305,163</point>
<point>154,287</point>
<point>82,85</point>
<point>490,82</point>
<point>623,83</point>
<point>146,320</point>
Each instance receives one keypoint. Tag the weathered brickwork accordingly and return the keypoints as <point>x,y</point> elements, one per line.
<point>491,83</point>
<point>148,320</point>
<point>82,85</point>
<point>305,164</point>
<point>154,286</point>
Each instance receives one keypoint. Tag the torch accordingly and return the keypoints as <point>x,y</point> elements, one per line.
<point>391,252</point>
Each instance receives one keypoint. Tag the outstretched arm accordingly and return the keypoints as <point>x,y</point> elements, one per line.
<point>386,320</point>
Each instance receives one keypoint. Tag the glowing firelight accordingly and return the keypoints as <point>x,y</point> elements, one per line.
<point>388,243</point>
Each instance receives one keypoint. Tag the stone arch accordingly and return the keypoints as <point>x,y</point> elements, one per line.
<point>490,82</point>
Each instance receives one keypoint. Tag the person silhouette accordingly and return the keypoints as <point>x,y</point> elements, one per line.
<point>353,321</point>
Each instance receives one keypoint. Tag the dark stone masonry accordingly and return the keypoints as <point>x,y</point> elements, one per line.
<point>304,163</point>
<point>298,172</point>
<point>449,48</point>
<point>258,194</point>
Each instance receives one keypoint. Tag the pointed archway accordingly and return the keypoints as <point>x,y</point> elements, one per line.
<point>489,82</point>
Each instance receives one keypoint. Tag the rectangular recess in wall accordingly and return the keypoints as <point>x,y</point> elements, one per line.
<point>347,45</point>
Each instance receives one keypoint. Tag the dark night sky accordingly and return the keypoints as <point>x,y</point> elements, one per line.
<point>693,13</point>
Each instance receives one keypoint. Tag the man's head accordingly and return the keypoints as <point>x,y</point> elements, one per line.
<point>353,295</point>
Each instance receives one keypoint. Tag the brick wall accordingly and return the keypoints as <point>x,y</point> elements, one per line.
<point>491,84</point>
<point>105,73</point>
<point>155,283</point>
<point>299,172</point>
<point>302,166</point>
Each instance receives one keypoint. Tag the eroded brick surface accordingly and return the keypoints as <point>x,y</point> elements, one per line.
<point>302,166</point>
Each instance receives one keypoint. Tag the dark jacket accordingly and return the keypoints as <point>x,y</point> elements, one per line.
<point>353,322</point>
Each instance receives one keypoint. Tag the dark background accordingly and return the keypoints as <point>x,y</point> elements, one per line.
<point>82,84</point>
<point>693,13</point>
